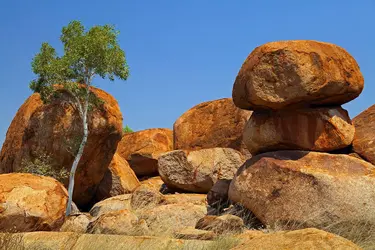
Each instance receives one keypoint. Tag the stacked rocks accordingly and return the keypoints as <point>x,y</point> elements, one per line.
<point>295,89</point>
<point>208,147</point>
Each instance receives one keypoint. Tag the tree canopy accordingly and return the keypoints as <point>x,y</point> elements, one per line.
<point>86,54</point>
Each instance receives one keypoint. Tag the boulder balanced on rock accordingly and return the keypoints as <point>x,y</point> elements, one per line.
<point>296,89</point>
<point>291,74</point>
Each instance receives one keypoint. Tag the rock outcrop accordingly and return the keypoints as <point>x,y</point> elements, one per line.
<point>31,203</point>
<point>211,124</point>
<point>75,241</point>
<point>118,179</point>
<point>306,189</point>
<point>197,171</point>
<point>364,139</point>
<point>55,129</point>
<point>143,148</point>
<point>318,129</point>
<point>289,74</point>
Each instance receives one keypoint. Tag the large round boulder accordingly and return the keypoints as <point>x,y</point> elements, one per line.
<point>143,148</point>
<point>31,203</point>
<point>211,124</point>
<point>197,171</point>
<point>306,189</point>
<point>118,179</point>
<point>301,73</point>
<point>364,138</point>
<point>318,129</point>
<point>55,130</point>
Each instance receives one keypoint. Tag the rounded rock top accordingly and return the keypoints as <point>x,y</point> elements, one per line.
<point>299,73</point>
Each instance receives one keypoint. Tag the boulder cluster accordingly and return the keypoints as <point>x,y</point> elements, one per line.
<point>295,89</point>
<point>281,153</point>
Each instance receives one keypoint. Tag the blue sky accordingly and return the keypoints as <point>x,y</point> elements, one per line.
<point>180,53</point>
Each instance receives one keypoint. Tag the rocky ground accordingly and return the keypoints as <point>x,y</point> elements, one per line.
<point>279,166</point>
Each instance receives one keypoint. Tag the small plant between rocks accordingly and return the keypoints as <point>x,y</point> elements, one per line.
<point>43,165</point>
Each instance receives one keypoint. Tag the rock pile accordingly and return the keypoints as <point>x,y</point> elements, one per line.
<point>295,89</point>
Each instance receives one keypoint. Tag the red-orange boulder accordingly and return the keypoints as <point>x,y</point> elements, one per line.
<point>364,138</point>
<point>31,203</point>
<point>301,73</point>
<point>143,148</point>
<point>55,129</point>
<point>211,124</point>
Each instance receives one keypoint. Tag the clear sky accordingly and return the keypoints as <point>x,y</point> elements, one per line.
<point>180,53</point>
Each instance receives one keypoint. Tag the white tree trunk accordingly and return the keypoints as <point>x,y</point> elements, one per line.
<point>80,152</point>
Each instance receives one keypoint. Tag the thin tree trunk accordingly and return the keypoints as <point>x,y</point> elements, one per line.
<point>79,154</point>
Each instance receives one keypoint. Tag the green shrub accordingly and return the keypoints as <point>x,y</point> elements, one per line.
<point>43,165</point>
<point>127,129</point>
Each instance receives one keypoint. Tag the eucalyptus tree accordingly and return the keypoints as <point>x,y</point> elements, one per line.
<point>87,54</point>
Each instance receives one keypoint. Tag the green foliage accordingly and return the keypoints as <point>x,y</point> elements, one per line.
<point>43,165</point>
<point>127,129</point>
<point>86,54</point>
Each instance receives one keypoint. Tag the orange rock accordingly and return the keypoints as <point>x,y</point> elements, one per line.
<point>31,203</point>
<point>197,171</point>
<point>301,73</point>
<point>143,148</point>
<point>211,124</point>
<point>293,189</point>
<point>364,138</point>
<point>55,129</point>
<point>318,129</point>
<point>119,179</point>
<point>309,238</point>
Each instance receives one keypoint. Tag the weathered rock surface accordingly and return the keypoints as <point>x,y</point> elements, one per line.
<point>211,124</point>
<point>318,129</point>
<point>167,219</point>
<point>143,148</point>
<point>118,222</point>
<point>364,139</point>
<point>155,183</point>
<point>218,195</point>
<point>302,73</point>
<point>306,189</point>
<point>76,223</point>
<point>224,224</point>
<point>75,241</point>
<point>196,199</point>
<point>118,179</point>
<point>115,203</point>
<point>197,171</point>
<point>309,238</point>
<point>31,203</point>
<point>144,197</point>
<point>54,129</point>
<point>191,233</point>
